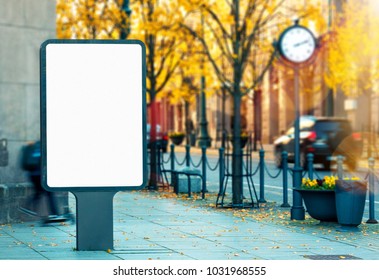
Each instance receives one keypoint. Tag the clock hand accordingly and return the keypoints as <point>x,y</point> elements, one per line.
<point>300,43</point>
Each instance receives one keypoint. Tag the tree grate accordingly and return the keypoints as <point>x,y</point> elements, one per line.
<point>142,251</point>
<point>331,257</point>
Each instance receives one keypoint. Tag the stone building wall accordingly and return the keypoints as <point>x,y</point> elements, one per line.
<point>24,25</point>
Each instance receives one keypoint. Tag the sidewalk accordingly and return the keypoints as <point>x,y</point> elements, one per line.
<point>159,225</point>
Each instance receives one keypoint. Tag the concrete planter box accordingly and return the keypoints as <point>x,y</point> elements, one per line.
<point>181,181</point>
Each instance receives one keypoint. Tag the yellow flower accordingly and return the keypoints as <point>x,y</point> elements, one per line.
<point>176,134</point>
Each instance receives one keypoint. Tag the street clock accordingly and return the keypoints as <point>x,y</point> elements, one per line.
<point>297,44</point>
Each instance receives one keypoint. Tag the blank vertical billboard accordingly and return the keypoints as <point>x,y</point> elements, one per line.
<point>93,124</point>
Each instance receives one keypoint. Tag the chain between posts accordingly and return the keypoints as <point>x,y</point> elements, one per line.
<point>180,163</point>
<point>209,166</point>
<point>270,175</point>
<point>165,161</point>
<point>262,167</point>
<point>196,165</point>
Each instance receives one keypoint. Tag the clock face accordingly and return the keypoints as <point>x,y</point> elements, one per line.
<point>297,44</point>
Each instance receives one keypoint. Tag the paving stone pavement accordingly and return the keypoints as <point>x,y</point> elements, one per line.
<point>161,226</point>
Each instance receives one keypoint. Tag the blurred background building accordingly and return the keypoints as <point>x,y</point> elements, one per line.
<point>269,111</point>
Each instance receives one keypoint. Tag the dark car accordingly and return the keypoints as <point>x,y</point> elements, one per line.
<point>162,138</point>
<point>325,138</point>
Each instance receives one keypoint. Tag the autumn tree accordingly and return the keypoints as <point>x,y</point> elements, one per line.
<point>233,30</point>
<point>353,54</point>
<point>350,46</point>
<point>157,23</point>
<point>193,78</point>
<point>91,19</point>
<point>238,37</point>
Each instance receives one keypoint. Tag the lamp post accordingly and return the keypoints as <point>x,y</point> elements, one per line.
<point>125,31</point>
<point>203,138</point>
<point>329,104</point>
<point>297,210</point>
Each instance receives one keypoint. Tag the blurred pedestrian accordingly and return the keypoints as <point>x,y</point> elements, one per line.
<point>31,158</point>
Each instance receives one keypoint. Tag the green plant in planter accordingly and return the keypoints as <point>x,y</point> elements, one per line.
<point>320,197</point>
<point>176,134</point>
<point>328,183</point>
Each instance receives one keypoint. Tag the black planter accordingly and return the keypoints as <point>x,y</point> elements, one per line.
<point>320,204</point>
<point>177,140</point>
<point>350,201</point>
<point>244,141</point>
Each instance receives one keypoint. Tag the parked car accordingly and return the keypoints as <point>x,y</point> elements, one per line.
<point>325,138</point>
<point>162,138</point>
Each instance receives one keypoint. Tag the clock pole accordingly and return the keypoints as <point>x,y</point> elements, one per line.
<point>297,46</point>
<point>297,210</point>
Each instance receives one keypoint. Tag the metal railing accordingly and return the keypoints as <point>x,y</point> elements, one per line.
<point>263,170</point>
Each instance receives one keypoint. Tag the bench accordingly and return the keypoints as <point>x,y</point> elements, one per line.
<point>189,173</point>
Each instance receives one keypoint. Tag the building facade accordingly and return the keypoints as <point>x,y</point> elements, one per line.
<point>24,25</point>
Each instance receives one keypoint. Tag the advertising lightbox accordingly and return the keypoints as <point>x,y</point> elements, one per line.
<point>93,123</point>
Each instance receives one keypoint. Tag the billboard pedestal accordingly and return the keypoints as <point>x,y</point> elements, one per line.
<point>94,220</point>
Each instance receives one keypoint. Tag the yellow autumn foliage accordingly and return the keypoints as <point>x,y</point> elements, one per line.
<point>353,55</point>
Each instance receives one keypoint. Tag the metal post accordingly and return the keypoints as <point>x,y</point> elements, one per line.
<point>204,170</point>
<point>371,183</point>
<point>159,162</point>
<point>222,170</point>
<point>262,177</point>
<point>285,179</point>
<point>172,161</point>
<point>297,210</point>
<point>203,139</point>
<point>189,185</point>
<point>188,155</point>
<point>340,167</point>
<point>310,165</point>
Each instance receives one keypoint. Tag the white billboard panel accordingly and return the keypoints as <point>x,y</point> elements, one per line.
<point>93,114</point>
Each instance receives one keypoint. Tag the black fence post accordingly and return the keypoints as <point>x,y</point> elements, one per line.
<point>285,179</point>
<point>262,176</point>
<point>159,162</point>
<point>371,184</point>
<point>222,170</point>
<point>172,162</point>
<point>204,170</point>
<point>310,165</point>
<point>188,155</point>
